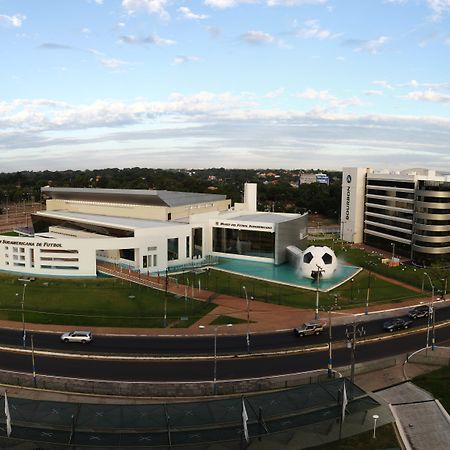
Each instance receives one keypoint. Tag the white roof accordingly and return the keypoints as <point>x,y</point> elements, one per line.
<point>267,217</point>
<point>118,222</point>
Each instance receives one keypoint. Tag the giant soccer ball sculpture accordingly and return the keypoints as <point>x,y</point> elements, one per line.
<point>318,262</point>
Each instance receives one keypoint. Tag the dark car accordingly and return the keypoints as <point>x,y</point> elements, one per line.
<point>419,311</point>
<point>397,324</point>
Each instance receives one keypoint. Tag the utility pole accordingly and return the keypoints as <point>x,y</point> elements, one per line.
<point>355,331</point>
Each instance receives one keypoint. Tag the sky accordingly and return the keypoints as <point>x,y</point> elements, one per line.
<point>295,84</point>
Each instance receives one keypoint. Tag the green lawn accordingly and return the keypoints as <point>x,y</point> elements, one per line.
<point>437,383</point>
<point>224,320</point>
<point>385,439</point>
<point>97,302</point>
<point>349,295</point>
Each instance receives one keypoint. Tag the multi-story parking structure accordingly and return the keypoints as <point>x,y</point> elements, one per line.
<point>406,212</point>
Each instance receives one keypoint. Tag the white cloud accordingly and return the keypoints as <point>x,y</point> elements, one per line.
<point>188,14</point>
<point>439,7</point>
<point>183,59</point>
<point>200,130</point>
<point>373,92</point>
<point>383,83</point>
<point>12,21</point>
<point>151,39</point>
<point>428,96</point>
<point>312,29</point>
<point>295,2</point>
<point>373,46</point>
<point>214,31</point>
<point>112,63</point>
<point>258,37</point>
<point>151,6</point>
<point>447,41</point>
<point>223,4</point>
<point>331,100</point>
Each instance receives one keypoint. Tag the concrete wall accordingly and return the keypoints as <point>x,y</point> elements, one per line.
<point>171,390</point>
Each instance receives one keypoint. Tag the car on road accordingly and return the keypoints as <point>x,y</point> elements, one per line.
<point>419,311</point>
<point>398,323</point>
<point>308,328</point>
<point>82,337</point>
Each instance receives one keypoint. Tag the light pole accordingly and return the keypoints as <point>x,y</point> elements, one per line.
<point>368,293</point>
<point>393,250</point>
<point>319,273</point>
<point>375,417</point>
<point>430,317</point>
<point>357,330</point>
<point>248,319</point>
<point>24,332</point>
<point>444,280</point>
<point>216,327</point>
<point>330,354</point>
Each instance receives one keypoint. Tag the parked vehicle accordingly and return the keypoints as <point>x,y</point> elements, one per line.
<point>82,337</point>
<point>397,324</point>
<point>308,328</point>
<point>419,311</point>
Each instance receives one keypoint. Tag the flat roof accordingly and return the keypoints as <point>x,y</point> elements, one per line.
<point>117,222</point>
<point>132,196</point>
<point>266,217</point>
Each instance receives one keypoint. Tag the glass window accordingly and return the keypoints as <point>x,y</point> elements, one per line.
<point>155,260</point>
<point>244,242</point>
<point>188,247</point>
<point>197,239</point>
<point>172,249</point>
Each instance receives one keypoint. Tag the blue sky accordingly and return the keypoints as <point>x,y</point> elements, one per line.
<point>224,83</point>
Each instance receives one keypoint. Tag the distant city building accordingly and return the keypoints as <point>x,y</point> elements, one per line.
<point>147,231</point>
<point>309,178</point>
<point>406,212</point>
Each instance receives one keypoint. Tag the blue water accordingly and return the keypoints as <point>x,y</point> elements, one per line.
<point>285,273</point>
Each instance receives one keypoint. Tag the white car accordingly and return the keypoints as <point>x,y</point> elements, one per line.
<point>77,336</point>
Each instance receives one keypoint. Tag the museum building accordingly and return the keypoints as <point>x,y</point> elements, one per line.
<point>147,231</point>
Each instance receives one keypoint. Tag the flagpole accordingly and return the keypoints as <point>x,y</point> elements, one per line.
<point>344,406</point>
<point>8,416</point>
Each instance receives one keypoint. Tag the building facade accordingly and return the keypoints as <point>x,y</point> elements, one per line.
<point>406,212</point>
<point>146,231</point>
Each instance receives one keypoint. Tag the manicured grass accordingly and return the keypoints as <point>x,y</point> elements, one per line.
<point>349,295</point>
<point>9,233</point>
<point>438,384</point>
<point>96,302</point>
<point>224,320</point>
<point>385,439</point>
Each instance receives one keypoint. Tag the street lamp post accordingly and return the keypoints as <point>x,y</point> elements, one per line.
<point>24,332</point>
<point>357,330</point>
<point>248,319</point>
<point>368,293</point>
<point>393,250</point>
<point>375,417</point>
<point>430,318</point>
<point>216,327</point>
<point>445,287</point>
<point>330,354</point>
<point>319,273</point>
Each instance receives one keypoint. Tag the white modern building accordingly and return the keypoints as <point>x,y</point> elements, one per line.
<point>406,212</point>
<point>147,231</point>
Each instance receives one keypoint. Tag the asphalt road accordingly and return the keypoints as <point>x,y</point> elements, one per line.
<point>193,345</point>
<point>202,370</point>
